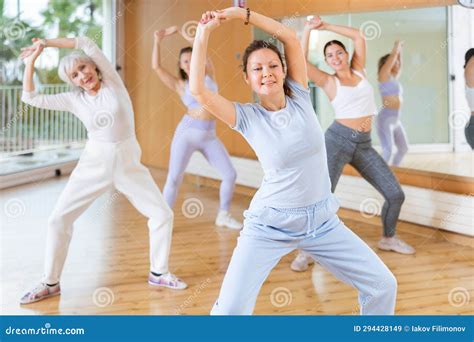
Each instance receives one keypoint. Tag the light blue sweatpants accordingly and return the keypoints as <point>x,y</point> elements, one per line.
<point>271,233</point>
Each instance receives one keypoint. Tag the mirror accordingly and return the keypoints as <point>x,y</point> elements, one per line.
<point>434,110</point>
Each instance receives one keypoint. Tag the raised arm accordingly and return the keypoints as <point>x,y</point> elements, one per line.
<point>107,69</point>
<point>54,102</point>
<point>166,77</point>
<point>386,69</point>
<point>316,75</point>
<point>358,58</point>
<point>65,43</point>
<point>216,104</point>
<point>400,57</point>
<point>210,70</point>
<point>294,56</point>
<point>88,46</point>
<point>30,59</point>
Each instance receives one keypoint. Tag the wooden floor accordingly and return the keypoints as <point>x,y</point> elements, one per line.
<point>458,164</point>
<point>107,267</point>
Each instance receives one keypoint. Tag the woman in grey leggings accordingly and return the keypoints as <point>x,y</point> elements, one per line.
<point>348,138</point>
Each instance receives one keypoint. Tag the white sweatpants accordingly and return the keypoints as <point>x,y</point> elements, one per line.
<point>103,165</point>
<point>271,233</point>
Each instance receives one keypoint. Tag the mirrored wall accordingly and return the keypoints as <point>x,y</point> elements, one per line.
<point>425,64</point>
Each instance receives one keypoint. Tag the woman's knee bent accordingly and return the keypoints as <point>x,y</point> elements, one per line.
<point>396,196</point>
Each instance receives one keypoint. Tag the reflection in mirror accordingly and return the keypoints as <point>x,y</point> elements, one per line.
<point>418,123</point>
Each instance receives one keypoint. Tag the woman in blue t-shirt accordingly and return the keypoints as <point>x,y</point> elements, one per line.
<point>294,207</point>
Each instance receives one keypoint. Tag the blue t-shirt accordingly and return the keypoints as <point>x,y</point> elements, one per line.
<point>289,144</point>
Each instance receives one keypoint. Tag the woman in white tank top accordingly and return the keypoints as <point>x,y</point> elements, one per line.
<point>348,138</point>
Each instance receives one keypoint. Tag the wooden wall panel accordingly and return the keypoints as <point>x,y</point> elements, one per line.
<point>282,8</point>
<point>157,109</point>
<point>432,199</point>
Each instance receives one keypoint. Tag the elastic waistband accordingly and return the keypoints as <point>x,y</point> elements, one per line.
<point>189,122</point>
<point>323,204</point>
<point>349,133</point>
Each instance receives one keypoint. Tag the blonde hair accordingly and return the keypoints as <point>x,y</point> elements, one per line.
<point>66,64</point>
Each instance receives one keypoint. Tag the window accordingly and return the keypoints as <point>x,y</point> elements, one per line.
<point>33,137</point>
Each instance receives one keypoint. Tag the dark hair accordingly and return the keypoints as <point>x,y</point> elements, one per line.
<point>182,73</point>
<point>382,61</point>
<point>333,42</point>
<point>468,56</point>
<point>261,44</point>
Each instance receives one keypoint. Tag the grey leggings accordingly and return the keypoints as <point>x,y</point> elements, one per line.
<point>347,146</point>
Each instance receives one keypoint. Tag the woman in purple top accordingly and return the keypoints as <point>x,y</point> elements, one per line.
<point>195,132</point>
<point>389,126</point>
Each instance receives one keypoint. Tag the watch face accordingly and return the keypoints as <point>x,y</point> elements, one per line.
<point>467,3</point>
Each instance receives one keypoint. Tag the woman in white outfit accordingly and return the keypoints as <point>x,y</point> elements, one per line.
<point>110,158</point>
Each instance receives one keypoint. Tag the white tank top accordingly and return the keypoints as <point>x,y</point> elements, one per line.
<point>470,97</point>
<point>354,102</point>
